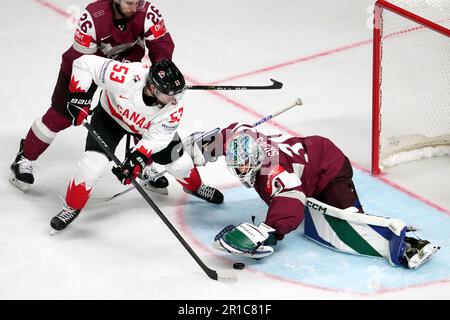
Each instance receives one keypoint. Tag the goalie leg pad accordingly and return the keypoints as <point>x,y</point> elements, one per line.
<point>355,233</point>
<point>364,234</point>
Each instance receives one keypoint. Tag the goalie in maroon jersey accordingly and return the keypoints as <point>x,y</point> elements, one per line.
<point>116,29</point>
<point>283,170</point>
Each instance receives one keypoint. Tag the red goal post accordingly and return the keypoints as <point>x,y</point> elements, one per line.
<point>411,81</point>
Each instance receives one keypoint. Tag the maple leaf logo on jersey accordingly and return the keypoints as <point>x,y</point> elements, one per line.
<point>74,85</point>
<point>193,182</point>
<point>77,195</point>
<point>145,151</point>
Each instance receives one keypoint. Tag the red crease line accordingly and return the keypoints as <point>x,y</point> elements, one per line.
<point>52,7</point>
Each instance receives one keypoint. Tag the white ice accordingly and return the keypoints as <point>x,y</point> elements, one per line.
<point>121,249</point>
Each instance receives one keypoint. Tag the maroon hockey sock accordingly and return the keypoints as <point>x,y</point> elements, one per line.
<point>33,147</point>
<point>193,182</point>
<point>51,123</point>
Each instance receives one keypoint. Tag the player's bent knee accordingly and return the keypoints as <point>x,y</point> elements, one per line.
<point>91,167</point>
<point>181,167</point>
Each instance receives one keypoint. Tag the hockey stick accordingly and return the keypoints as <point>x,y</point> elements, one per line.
<point>226,276</point>
<point>297,102</point>
<point>120,193</point>
<point>275,85</point>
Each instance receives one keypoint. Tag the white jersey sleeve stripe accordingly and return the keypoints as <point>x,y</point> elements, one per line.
<point>85,39</point>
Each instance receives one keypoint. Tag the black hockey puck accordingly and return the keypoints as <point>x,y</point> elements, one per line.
<point>238,265</point>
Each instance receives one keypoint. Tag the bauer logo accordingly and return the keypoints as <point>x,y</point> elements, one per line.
<point>81,101</point>
<point>315,206</point>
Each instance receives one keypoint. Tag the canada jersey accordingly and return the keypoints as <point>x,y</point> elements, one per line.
<point>122,99</point>
<point>125,41</point>
<point>294,168</point>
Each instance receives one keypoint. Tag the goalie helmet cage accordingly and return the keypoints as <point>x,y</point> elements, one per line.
<point>411,81</point>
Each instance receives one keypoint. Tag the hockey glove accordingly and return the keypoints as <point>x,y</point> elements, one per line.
<point>78,107</point>
<point>246,239</point>
<point>131,167</point>
<point>196,145</point>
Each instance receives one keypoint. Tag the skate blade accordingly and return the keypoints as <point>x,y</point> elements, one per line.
<point>427,252</point>
<point>53,231</point>
<point>23,186</point>
<point>163,191</point>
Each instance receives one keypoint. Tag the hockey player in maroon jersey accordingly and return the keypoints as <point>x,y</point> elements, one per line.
<point>116,29</point>
<point>135,99</point>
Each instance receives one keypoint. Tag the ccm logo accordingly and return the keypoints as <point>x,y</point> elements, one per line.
<point>315,206</point>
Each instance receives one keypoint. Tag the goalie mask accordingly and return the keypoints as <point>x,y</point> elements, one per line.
<point>168,82</point>
<point>244,158</point>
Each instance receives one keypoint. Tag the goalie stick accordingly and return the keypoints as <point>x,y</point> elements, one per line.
<point>275,85</point>
<point>297,102</point>
<point>226,276</point>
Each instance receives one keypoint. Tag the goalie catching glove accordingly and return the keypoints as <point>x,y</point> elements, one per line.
<point>196,145</point>
<point>131,167</point>
<point>247,239</point>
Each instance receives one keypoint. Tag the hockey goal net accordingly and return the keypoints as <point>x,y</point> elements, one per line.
<point>411,81</point>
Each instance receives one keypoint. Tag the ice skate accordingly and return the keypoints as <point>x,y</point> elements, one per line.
<point>207,193</point>
<point>154,181</point>
<point>21,171</point>
<point>63,219</point>
<point>418,252</point>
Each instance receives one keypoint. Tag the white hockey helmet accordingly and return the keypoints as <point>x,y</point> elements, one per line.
<point>244,157</point>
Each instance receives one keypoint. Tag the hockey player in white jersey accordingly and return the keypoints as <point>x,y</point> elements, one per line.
<point>135,99</point>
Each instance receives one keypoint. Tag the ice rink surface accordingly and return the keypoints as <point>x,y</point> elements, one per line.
<point>321,51</point>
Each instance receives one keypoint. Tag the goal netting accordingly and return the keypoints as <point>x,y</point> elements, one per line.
<point>411,88</point>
